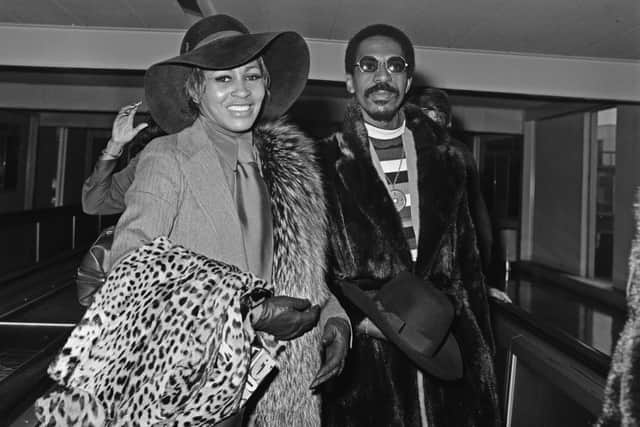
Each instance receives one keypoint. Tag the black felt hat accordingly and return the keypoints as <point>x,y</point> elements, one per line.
<point>417,318</point>
<point>220,42</point>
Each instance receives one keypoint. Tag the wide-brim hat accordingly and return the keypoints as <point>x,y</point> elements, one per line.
<point>220,42</point>
<point>415,316</point>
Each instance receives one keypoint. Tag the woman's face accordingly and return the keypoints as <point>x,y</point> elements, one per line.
<point>233,98</point>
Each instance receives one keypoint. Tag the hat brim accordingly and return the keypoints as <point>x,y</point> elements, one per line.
<point>445,364</point>
<point>285,54</point>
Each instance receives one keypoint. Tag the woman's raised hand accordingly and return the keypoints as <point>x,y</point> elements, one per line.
<point>123,131</point>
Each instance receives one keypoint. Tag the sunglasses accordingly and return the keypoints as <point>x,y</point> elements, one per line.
<point>370,64</point>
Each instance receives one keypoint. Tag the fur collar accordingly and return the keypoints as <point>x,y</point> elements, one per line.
<point>293,177</point>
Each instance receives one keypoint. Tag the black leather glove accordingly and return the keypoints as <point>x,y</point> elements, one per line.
<point>335,345</point>
<point>285,317</point>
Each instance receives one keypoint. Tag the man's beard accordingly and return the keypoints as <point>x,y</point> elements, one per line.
<point>385,115</point>
<point>382,116</point>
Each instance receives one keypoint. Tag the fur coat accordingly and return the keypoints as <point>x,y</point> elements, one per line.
<point>622,393</point>
<point>180,191</point>
<point>379,384</point>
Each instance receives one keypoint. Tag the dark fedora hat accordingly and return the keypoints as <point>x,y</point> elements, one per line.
<point>220,42</point>
<point>416,317</point>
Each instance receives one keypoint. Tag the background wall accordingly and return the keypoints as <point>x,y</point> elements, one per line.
<point>627,183</point>
<point>557,221</point>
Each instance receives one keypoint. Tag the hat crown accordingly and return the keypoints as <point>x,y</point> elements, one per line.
<point>423,308</point>
<point>207,27</point>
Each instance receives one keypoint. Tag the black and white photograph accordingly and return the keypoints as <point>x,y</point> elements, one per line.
<point>337,213</point>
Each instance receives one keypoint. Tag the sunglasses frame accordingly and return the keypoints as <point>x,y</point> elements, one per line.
<point>386,64</point>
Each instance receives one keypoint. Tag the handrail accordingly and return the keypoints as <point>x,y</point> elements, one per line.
<point>589,356</point>
<point>45,235</point>
<point>17,389</point>
<point>27,217</point>
<point>612,297</point>
<point>41,266</point>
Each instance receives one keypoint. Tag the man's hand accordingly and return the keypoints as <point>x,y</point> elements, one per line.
<point>285,317</point>
<point>497,294</point>
<point>367,327</point>
<point>335,345</point>
<point>123,131</point>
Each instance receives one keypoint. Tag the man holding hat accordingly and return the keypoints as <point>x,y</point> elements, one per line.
<point>404,256</point>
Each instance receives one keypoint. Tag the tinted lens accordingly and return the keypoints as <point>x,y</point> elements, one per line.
<point>368,64</point>
<point>396,64</point>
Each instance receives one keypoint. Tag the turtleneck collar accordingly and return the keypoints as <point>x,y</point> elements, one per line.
<point>385,134</point>
<point>228,143</point>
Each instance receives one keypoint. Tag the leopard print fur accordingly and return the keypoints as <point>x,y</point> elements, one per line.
<point>164,343</point>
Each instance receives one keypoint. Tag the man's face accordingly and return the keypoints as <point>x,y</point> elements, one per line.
<point>380,93</point>
<point>437,116</point>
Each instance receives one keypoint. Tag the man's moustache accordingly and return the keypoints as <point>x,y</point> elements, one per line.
<point>381,86</point>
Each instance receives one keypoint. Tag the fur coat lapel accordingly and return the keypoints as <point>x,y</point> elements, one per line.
<point>292,175</point>
<point>437,162</point>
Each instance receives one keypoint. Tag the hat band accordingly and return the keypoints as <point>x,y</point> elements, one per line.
<point>411,336</point>
<point>216,36</point>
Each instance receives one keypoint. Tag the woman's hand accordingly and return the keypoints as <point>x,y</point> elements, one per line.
<point>123,131</point>
<point>285,317</point>
<point>334,347</point>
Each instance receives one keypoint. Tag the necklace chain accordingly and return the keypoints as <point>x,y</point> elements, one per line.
<point>395,178</point>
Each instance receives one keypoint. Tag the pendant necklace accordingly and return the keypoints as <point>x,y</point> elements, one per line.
<point>397,196</point>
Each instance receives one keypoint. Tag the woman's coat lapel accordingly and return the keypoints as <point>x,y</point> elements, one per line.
<point>204,176</point>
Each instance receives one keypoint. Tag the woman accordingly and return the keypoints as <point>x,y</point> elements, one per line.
<point>248,204</point>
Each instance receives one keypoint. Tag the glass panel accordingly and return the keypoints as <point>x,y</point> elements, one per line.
<point>605,190</point>
<point>75,166</point>
<point>501,173</point>
<point>9,149</point>
<point>539,402</point>
<point>46,168</point>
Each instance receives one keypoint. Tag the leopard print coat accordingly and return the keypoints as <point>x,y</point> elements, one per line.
<point>163,343</point>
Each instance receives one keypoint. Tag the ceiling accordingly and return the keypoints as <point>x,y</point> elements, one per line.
<point>579,28</point>
<point>543,30</point>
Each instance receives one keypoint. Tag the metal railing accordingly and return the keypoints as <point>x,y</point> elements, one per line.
<point>30,239</point>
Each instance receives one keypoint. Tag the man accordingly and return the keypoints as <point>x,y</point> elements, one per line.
<point>435,104</point>
<point>399,201</point>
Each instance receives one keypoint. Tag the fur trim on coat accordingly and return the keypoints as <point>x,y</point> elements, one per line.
<point>622,393</point>
<point>367,241</point>
<point>292,175</point>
